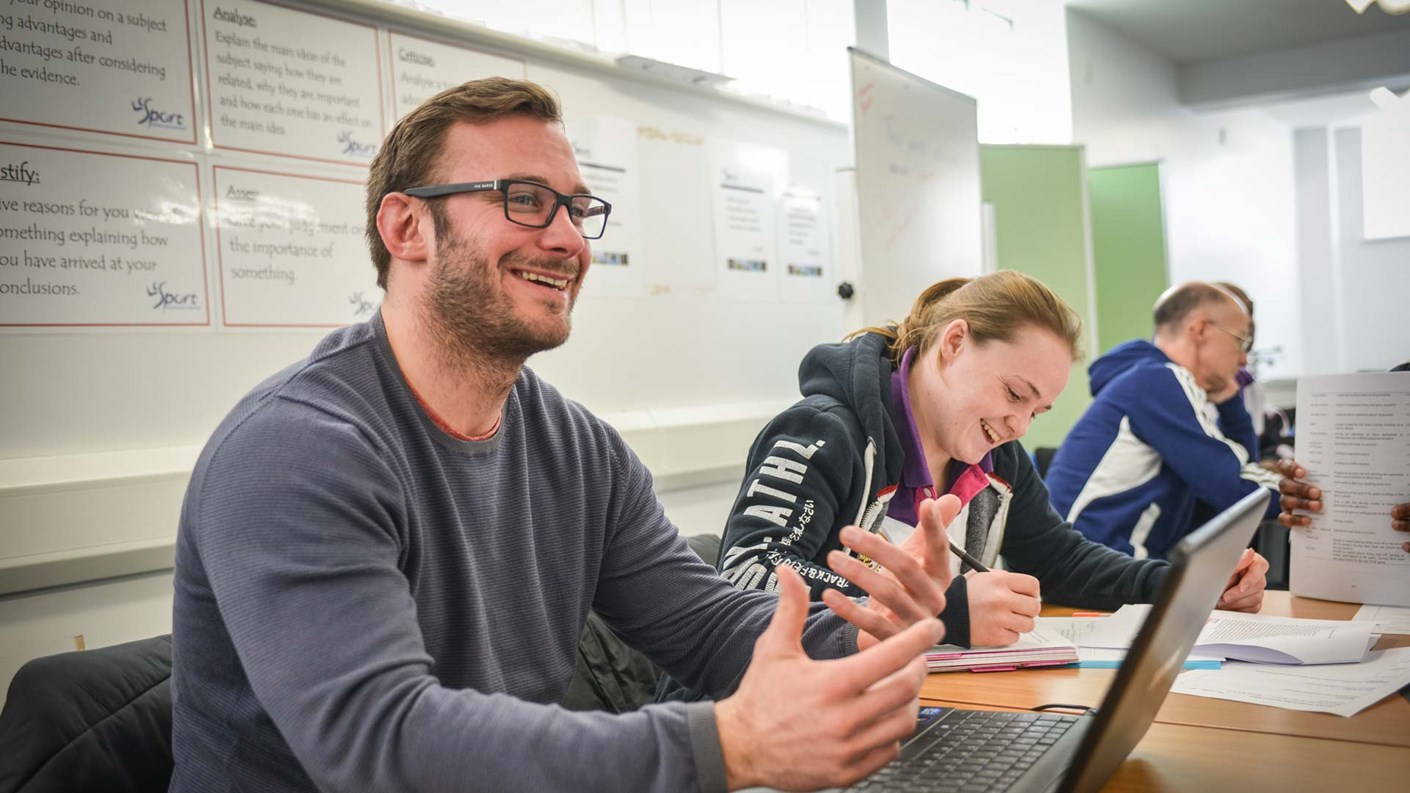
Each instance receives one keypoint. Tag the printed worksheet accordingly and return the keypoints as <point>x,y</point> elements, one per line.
<point>1353,437</point>
<point>1343,689</point>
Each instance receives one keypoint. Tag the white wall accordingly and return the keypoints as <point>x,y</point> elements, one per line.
<point>1010,55</point>
<point>1228,177</point>
<point>1316,250</point>
<point>1373,276</point>
<point>114,611</point>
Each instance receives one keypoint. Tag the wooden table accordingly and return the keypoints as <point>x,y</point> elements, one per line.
<point>1214,745</point>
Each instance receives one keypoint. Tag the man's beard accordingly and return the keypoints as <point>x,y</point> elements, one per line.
<point>472,320</point>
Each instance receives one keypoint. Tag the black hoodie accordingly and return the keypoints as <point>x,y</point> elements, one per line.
<point>833,458</point>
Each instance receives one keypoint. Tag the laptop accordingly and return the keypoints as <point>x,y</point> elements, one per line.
<point>958,749</point>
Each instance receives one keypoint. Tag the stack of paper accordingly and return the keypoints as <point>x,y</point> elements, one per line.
<point>1036,648</point>
<point>1285,640</point>
<point>1102,641</point>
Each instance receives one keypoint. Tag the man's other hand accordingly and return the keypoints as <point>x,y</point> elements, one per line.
<point>911,582</point>
<point>799,724</point>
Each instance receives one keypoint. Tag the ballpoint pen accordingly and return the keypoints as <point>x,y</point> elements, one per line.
<point>967,559</point>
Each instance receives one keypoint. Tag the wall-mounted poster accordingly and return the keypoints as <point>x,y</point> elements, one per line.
<point>677,235</point>
<point>291,250</point>
<point>606,150</point>
<point>805,253</point>
<point>748,180</point>
<point>421,69</point>
<point>89,239</point>
<point>292,83</point>
<point>120,67</point>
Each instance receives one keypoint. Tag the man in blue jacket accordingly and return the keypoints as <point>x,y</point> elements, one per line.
<point>1165,428</point>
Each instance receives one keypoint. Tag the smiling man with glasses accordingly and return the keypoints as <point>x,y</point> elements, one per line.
<point>388,551</point>
<point>1166,428</point>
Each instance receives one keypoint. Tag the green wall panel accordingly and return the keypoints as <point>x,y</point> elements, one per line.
<point>1128,249</point>
<point>1040,229</point>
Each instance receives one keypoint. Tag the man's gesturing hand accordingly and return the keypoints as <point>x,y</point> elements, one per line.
<point>799,724</point>
<point>911,583</point>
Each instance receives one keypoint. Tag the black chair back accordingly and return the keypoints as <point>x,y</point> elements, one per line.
<point>96,720</point>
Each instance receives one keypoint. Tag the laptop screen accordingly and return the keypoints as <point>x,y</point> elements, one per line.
<point>1200,566</point>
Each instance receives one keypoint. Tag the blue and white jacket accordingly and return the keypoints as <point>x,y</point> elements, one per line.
<point>1149,446</point>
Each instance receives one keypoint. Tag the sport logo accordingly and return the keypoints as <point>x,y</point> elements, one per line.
<point>361,306</point>
<point>152,117</point>
<point>355,148</point>
<point>167,301</point>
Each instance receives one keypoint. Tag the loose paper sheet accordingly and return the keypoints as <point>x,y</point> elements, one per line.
<point>1353,437</point>
<point>1341,689</point>
<point>1388,619</point>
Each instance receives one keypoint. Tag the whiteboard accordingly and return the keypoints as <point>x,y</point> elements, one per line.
<point>918,193</point>
<point>245,157</point>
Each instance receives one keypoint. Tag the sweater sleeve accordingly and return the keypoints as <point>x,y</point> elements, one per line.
<point>1071,569</point>
<point>789,507</point>
<point>306,569</point>
<point>661,598</point>
<point>1172,417</point>
<point>955,617</point>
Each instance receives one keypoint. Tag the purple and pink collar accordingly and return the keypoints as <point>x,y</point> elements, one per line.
<point>966,480</point>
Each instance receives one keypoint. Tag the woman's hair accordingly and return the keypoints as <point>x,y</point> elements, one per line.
<point>996,306</point>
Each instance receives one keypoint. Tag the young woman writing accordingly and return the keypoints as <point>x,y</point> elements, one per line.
<point>936,405</point>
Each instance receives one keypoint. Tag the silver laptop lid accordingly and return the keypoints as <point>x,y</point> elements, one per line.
<point>1199,567</point>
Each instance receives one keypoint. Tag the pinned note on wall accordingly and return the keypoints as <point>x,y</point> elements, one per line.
<point>110,68</point>
<point>274,89</point>
<point>95,239</point>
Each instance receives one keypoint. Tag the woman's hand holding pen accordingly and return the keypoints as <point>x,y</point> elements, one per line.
<point>1244,590</point>
<point>1001,606</point>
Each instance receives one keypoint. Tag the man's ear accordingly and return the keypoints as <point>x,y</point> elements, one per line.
<point>1198,327</point>
<point>405,227</point>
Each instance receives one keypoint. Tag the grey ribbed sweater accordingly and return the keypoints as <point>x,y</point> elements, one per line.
<point>364,603</point>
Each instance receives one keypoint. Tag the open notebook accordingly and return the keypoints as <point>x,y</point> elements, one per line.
<point>1038,647</point>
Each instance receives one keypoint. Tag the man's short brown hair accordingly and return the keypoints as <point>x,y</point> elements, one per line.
<point>412,151</point>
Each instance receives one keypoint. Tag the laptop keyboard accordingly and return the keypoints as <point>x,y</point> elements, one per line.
<point>970,750</point>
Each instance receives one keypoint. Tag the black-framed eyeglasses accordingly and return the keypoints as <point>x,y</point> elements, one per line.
<point>531,204</point>
<point>1245,342</point>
